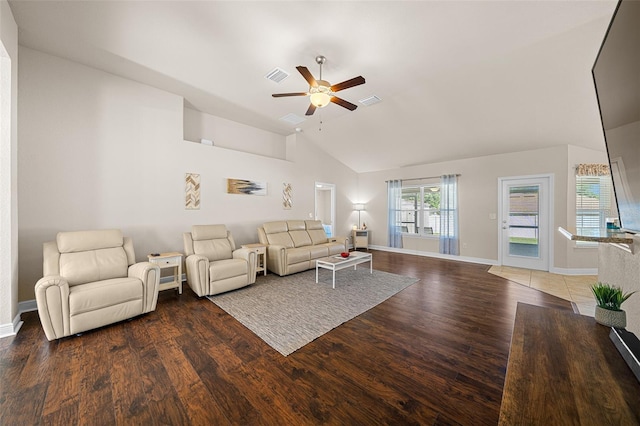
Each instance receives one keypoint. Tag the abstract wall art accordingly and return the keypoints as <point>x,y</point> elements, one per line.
<point>287,196</point>
<point>192,191</point>
<point>247,187</point>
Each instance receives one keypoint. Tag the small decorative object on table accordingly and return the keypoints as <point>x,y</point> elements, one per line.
<point>344,254</point>
<point>608,311</point>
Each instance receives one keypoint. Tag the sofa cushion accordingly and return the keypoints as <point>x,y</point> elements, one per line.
<point>280,239</point>
<point>313,224</point>
<point>316,252</point>
<point>93,265</point>
<point>316,232</point>
<point>318,236</point>
<point>228,268</point>
<point>208,232</point>
<point>297,255</point>
<point>217,249</point>
<point>300,238</point>
<point>101,294</point>
<point>275,227</point>
<point>334,248</point>
<point>296,225</point>
<point>71,242</point>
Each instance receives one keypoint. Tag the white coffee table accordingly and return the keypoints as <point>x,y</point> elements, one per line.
<point>336,262</point>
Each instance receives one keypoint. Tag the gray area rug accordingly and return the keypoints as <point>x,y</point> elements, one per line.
<point>289,312</point>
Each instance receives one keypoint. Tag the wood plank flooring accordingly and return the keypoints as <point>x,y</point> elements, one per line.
<point>434,354</point>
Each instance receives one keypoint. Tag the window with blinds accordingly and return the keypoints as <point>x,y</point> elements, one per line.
<point>594,195</point>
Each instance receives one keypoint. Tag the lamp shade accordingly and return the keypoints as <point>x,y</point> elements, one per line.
<point>359,207</point>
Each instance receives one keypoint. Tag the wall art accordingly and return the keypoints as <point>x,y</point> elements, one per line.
<point>192,191</point>
<point>247,187</point>
<point>287,196</point>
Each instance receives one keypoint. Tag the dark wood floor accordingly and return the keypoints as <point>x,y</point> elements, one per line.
<point>434,354</point>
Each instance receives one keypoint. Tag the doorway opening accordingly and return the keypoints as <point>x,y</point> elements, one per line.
<point>325,206</point>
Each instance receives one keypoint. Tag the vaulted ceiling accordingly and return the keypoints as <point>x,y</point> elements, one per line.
<point>457,79</point>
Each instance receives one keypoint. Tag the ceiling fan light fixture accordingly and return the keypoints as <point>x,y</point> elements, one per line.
<point>320,95</point>
<point>320,99</point>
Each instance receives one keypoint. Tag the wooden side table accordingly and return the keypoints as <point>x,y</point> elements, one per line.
<point>360,238</point>
<point>170,260</point>
<point>261,256</point>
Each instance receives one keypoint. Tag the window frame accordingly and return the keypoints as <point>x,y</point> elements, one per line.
<point>605,206</point>
<point>420,211</point>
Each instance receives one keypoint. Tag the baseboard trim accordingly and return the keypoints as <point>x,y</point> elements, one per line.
<point>8,330</point>
<point>436,255</point>
<point>574,271</point>
<point>492,262</point>
<point>27,306</point>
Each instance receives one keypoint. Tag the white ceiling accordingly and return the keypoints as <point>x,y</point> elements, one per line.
<point>458,79</point>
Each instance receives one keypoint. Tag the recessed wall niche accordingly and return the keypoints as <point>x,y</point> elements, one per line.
<point>228,134</point>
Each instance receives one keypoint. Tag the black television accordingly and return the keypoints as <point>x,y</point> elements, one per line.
<point>616,75</point>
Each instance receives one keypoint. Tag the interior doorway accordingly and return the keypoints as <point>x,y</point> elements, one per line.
<point>325,206</point>
<point>525,222</point>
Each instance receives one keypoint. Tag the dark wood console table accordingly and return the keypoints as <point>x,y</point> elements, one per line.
<point>564,370</point>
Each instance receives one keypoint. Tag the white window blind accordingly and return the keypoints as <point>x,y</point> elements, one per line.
<point>594,195</point>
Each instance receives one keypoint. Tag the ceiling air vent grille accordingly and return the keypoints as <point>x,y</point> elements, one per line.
<point>370,100</point>
<point>292,119</point>
<point>277,75</point>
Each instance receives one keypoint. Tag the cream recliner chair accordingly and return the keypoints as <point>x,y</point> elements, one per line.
<point>214,265</point>
<point>91,280</point>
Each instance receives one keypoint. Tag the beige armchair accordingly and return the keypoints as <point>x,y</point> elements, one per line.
<point>214,265</point>
<point>91,280</point>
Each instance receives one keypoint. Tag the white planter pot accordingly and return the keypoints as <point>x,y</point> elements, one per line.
<point>617,319</point>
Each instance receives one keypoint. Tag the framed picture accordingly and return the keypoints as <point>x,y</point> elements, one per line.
<point>192,191</point>
<point>246,187</point>
<point>287,196</point>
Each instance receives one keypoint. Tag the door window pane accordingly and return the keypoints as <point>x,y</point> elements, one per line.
<point>524,221</point>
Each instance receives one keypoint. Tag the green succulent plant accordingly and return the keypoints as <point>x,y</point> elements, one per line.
<point>608,296</point>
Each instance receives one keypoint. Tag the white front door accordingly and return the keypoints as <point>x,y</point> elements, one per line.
<point>525,222</point>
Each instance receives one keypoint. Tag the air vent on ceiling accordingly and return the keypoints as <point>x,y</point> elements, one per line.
<point>292,119</point>
<point>277,75</point>
<point>373,99</point>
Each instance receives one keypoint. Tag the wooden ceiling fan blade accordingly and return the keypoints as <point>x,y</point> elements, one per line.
<point>281,95</point>
<point>311,110</point>
<point>345,104</point>
<point>356,81</point>
<point>307,76</point>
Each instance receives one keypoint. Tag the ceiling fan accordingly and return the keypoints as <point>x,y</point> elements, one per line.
<point>321,92</point>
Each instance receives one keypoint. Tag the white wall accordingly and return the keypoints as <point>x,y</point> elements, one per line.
<point>478,198</point>
<point>9,319</point>
<point>99,151</point>
<point>229,134</point>
<point>621,268</point>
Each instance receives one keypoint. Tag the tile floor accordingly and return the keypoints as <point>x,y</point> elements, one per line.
<point>575,288</point>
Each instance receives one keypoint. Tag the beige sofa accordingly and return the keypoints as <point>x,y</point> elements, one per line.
<point>294,245</point>
<point>214,265</point>
<point>91,280</point>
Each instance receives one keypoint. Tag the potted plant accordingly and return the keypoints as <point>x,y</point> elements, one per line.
<point>609,299</point>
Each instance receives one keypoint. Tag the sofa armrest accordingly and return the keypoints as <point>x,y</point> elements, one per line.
<point>52,298</point>
<point>149,274</point>
<point>277,259</point>
<point>250,256</point>
<point>198,274</point>
<point>339,239</point>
